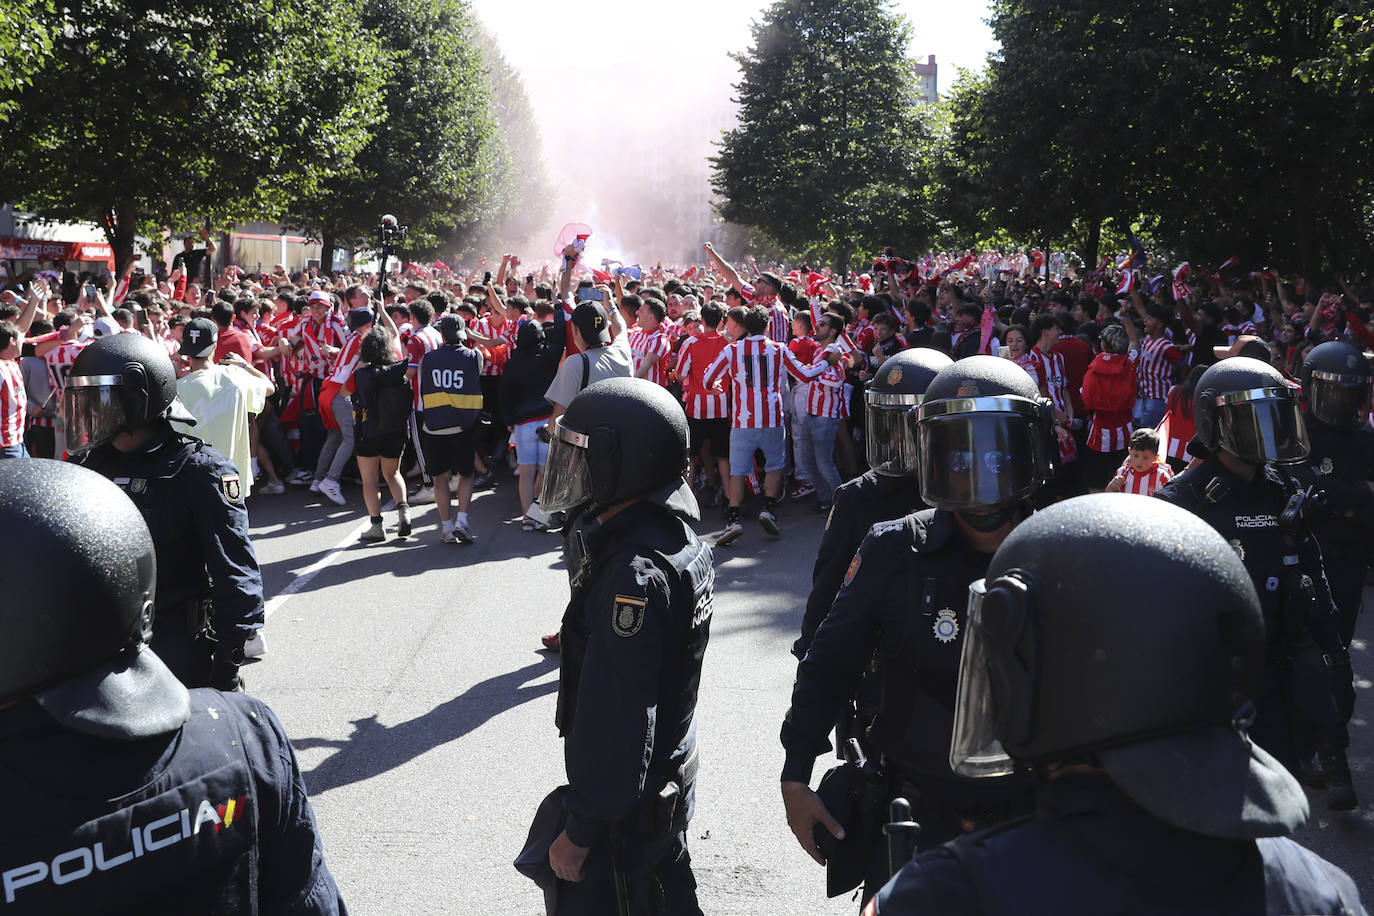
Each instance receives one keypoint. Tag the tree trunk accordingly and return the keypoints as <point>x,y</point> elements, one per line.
<point>119,232</point>
<point>1094,241</point>
<point>327,252</point>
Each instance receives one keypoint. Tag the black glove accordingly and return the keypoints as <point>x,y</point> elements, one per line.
<point>224,672</point>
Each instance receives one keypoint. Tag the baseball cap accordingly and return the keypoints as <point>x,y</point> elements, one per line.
<point>320,295</point>
<point>1245,345</point>
<point>453,328</point>
<point>198,338</point>
<point>592,323</point>
<point>359,317</point>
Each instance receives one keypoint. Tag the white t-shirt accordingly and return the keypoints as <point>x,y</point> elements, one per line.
<point>611,361</point>
<point>221,398</point>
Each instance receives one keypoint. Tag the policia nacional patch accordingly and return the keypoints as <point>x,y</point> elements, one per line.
<point>233,489</point>
<point>628,615</point>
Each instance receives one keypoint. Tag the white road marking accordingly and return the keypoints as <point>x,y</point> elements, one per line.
<point>314,569</point>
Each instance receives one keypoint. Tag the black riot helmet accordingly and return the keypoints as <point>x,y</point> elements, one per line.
<point>985,436</point>
<point>75,626</point>
<point>1155,685</point>
<point>119,383</point>
<point>1245,406</point>
<point>898,387</point>
<point>620,439</point>
<point>1335,383</point>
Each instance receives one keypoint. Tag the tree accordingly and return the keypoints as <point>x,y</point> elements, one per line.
<point>430,159</point>
<point>23,48</point>
<point>1188,122</point>
<point>173,113</point>
<point>826,153</point>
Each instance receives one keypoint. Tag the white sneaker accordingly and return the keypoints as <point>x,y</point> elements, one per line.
<point>256,647</point>
<point>314,485</point>
<point>446,532</point>
<point>730,534</point>
<point>769,521</point>
<point>422,496</point>
<point>463,533</point>
<point>331,490</point>
<point>299,477</point>
<point>271,489</point>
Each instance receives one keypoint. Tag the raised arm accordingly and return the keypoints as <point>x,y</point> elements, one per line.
<point>731,275</point>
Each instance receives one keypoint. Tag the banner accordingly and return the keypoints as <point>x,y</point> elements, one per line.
<point>48,250</point>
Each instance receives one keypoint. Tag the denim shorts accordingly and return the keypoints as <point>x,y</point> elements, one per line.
<point>743,442</point>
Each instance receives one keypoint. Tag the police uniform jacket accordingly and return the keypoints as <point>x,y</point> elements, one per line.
<point>859,505</point>
<point>905,596</point>
<point>1089,850</point>
<point>633,637</point>
<point>1340,466</point>
<point>192,500</point>
<point>211,819</point>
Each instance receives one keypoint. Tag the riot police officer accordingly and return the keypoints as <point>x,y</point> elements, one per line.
<point>1247,416</point>
<point>127,792</point>
<point>984,440</point>
<point>120,395</point>
<point>1132,705</point>
<point>889,489</point>
<point>633,637</point>
<point>1335,383</point>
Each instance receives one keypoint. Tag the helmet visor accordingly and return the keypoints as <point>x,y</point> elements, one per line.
<point>567,478</point>
<point>975,458</point>
<point>889,432</point>
<point>1263,424</point>
<point>973,750</point>
<point>1338,399</point>
<point>93,411</point>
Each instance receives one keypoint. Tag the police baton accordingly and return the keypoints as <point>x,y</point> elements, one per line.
<point>902,833</point>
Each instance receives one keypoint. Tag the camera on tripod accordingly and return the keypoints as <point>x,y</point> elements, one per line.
<point>391,230</point>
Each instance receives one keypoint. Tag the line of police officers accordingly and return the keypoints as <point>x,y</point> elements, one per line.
<point>1014,673</point>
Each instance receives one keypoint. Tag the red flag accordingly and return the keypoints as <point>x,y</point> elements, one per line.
<point>690,272</point>
<point>1127,283</point>
<point>601,276</point>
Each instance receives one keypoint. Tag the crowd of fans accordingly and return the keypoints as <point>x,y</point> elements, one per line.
<point>770,367</point>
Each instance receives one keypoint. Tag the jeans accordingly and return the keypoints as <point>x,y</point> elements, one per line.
<point>14,451</point>
<point>338,443</point>
<point>1148,412</point>
<point>814,446</point>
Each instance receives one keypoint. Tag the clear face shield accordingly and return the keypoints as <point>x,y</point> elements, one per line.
<point>567,478</point>
<point>996,678</point>
<point>889,433</point>
<point>1340,400</point>
<point>978,453</point>
<point>1262,425</point>
<point>93,410</point>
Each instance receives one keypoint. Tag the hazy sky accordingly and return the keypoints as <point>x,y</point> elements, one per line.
<point>618,124</point>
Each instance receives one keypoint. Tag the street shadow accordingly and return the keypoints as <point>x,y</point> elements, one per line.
<point>374,749</point>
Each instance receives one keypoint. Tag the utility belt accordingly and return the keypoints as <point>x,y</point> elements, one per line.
<point>928,808</point>
<point>661,814</point>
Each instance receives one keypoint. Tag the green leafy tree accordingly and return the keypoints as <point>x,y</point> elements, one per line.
<point>432,154</point>
<point>170,113</point>
<point>826,156</point>
<point>23,48</point>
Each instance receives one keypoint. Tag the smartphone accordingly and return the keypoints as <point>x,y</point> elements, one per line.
<point>1004,352</point>
<point>587,294</point>
<point>90,290</point>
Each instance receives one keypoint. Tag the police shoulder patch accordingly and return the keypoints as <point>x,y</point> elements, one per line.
<point>627,617</point>
<point>852,571</point>
<point>232,487</point>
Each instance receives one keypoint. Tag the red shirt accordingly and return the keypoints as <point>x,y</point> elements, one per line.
<point>232,340</point>
<point>695,357</point>
<point>1077,355</point>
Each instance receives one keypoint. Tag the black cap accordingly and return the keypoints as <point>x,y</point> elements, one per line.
<point>453,329</point>
<point>592,323</point>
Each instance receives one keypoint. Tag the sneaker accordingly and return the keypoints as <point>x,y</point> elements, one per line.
<point>403,522</point>
<point>769,521</point>
<point>463,533</point>
<point>485,481</point>
<point>256,647</point>
<point>446,532</point>
<point>421,496</point>
<point>271,489</point>
<point>730,534</point>
<point>373,535</point>
<point>528,524</point>
<point>314,485</point>
<point>714,496</point>
<point>331,490</point>
<point>537,514</point>
<point>552,642</point>
<point>801,491</point>
<point>300,477</point>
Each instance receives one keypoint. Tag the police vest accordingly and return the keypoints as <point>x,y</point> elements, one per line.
<point>185,843</point>
<point>450,389</point>
<point>1025,861</point>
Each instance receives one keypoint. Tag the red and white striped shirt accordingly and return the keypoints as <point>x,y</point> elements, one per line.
<point>61,357</point>
<point>14,403</point>
<point>695,357</point>
<point>825,394</point>
<point>422,340</point>
<point>779,323</point>
<point>860,331</point>
<point>494,355</point>
<point>1144,484</point>
<point>1048,371</point>
<point>655,345</point>
<point>316,337</point>
<point>341,373</point>
<point>1153,367</point>
<point>755,366</point>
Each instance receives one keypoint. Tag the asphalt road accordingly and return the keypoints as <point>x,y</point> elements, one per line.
<point>410,678</point>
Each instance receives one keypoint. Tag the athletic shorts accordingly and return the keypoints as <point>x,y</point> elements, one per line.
<point>716,432</point>
<point>387,445</point>
<point>772,441</point>
<point>450,454</point>
<point>528,447</point>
